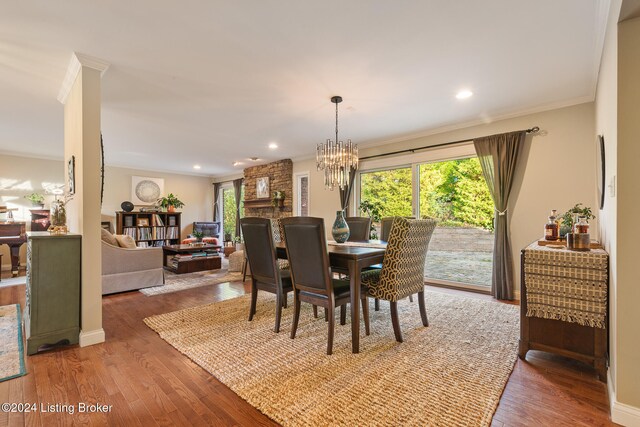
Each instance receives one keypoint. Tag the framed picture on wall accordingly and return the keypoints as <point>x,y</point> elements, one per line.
<point>145,191</point>
<point>262,188</point>
<point>71,170</point>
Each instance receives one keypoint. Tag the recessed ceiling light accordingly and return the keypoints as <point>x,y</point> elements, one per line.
<point>464,94</point>
<point>196,166</point>
<point>273,146</point>
<point>237,163</point>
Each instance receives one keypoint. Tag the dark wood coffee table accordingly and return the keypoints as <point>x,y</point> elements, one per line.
<point>178,258</point>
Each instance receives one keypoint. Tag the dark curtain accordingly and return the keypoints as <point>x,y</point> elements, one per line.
<point>216,201</point>
<point>345,193</point>
<point>498,155</point>
<point>237,189</point>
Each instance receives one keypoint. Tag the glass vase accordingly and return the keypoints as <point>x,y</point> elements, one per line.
<point>340,229</point>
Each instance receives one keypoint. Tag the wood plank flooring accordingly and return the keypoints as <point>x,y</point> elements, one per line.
<point>146,382</point>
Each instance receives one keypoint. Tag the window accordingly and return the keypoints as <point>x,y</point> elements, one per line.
<point>229,210</point>
<point>302,194</point>
<point>453,191</point>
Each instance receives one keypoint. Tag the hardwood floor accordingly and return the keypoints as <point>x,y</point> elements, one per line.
<point>147,382</point>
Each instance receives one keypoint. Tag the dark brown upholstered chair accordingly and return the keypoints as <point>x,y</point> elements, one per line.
<point>359,227</point>
<point>265,274</point>
<point>312,280</point>
<point>402,272</point>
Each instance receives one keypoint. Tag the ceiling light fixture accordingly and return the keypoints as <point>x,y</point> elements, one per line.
<point>336,158</point>
<point>254,159</point>
<point>464,94</point>
<point>237,163</point>
<point>273,146</point>
<point>196,166</point>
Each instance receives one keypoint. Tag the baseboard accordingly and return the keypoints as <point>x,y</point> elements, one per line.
<point>91,337</point>
<point>621,413</point>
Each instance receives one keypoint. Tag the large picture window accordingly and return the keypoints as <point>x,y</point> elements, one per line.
<point>452,191</point>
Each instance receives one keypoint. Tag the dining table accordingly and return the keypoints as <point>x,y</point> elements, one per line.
<point>352,256</point>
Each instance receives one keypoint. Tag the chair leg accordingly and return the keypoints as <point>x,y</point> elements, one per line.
<point>296,314</point>
<point>284,300</point>
<point>395,321</point>
<point>343,314</point>
<point>278,313</point>
<point>410,298</point>
<point>365,314</point>
<point>376,304</point>
<point>326,314</point>
<point>315,311</point>
<point>244,270</point>
<point>254,300</point>
<point>423,310</point>
<point>332,321</point>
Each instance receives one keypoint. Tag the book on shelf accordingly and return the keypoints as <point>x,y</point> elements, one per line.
<point>144,233</point>
<point>157,220</point>
<point>128,221</point>
<point>130,231</point>
<point>173,233</point>
<point>172,221</point>
<point>199,254</point>
<point>143,244</point>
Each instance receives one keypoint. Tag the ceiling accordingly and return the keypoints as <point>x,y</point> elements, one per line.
<point>214,82</point>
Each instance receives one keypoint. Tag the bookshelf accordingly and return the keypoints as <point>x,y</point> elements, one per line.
<point>150,228</point>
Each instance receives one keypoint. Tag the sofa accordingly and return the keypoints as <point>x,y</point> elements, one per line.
<point>127,269</point>
<point>209,230</point>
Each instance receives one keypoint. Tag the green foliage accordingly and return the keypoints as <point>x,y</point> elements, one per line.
<point>170,200</point>
<point>567,217</point>
<point>35,198</point>
<point>454,192</point>
<point>373,210</point>
<point>229,210</point>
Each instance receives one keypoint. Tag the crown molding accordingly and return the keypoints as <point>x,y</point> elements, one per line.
<point>79,60</point>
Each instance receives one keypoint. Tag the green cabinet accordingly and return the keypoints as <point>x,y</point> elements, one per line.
<point>52,309</point>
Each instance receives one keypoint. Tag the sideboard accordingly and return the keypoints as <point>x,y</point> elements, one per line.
<point>564,304</point>
<point>52,309</point>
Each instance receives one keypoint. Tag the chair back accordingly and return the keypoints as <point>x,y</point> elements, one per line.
<point>208,229</point>
<point>278,234</point>
<point>385,226</point>
<point>307,253</point>
<point>359,227</point>
<point>259,249</point>
<point>403,265</point>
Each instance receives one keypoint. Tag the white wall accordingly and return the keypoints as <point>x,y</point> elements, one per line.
<point>558,170</point>
<point>195,191</point>
<point>20,176</point>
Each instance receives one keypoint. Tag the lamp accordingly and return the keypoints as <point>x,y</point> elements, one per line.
<point>336,158</point>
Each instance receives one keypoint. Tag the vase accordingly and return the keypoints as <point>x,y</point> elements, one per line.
<point>340,229</point>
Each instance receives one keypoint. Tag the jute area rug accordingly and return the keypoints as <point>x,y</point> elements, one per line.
<point>11,350</point>
<point>451,373</point>
<point>180,282</point>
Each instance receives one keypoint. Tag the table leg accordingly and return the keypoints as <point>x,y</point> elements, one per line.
<point>354,283</point>
<point>15,259</point>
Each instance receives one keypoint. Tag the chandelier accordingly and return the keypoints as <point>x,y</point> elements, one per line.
<point>336,158</point>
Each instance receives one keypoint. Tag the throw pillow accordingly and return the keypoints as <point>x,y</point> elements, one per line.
<point>125,241</point>
<point>108,237</point>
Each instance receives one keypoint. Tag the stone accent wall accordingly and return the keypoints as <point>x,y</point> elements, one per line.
<point>280,175</point>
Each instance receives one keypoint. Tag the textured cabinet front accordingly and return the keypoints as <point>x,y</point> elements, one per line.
<point>52,312</point>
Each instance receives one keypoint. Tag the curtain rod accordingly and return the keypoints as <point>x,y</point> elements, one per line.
<point>534,129</point>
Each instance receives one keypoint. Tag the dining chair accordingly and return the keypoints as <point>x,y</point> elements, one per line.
<point>359,227</point>
<point>385,229</point>
<point>265,274</point>
<point>402,272</point>
<point>283,264</point>
<point>313,282</point>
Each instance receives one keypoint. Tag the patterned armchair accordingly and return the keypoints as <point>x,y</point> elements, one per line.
<point>402,272</point>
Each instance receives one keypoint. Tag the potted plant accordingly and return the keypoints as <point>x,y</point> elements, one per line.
<point>278,198</point>
<point>372,210</point>
<point>198,235</point>
<point>36,199</point>
<point>170,203</point>
<point>239,243</point>
<point>568,218</point>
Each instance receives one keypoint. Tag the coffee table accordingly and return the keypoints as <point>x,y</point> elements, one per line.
<point>178,258</point>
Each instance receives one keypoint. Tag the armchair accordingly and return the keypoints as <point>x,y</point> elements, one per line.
<point>210,233</point>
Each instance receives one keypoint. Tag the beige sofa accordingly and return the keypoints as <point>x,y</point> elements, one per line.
<point>128,269</point>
